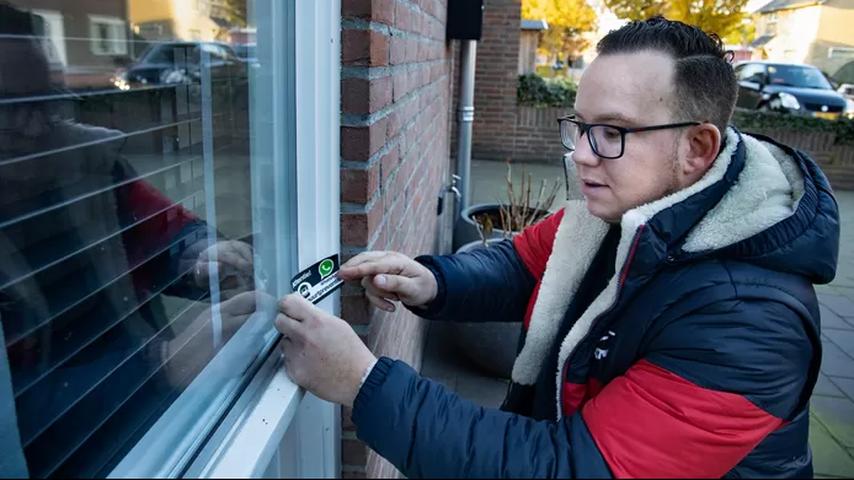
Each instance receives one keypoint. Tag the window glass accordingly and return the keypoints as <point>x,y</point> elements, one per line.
<point>133,200</point>
<point>797,76</point>
<point>750,72</point>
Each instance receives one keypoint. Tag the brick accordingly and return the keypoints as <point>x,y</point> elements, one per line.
<point>358,185</point>
<point>363,96</point>
<point>359,143</point>
<point>353,452</point>
<point>383,11</point>
<point>402,16</point>
<point>356,310</point>
<point>347,419</point>
<point>364,47</point>
<point>397,50</point>
<point>388,164</point>
<point>357,227</point>
<point>356,8</point>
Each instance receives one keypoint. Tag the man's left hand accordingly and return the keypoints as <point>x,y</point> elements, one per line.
<point>322,352</point>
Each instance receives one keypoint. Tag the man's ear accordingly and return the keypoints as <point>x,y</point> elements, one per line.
<point>704,143</point>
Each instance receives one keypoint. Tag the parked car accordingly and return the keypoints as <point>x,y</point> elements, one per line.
<point>246,52</point>
<point>179,62</point>
<point>787,87</point>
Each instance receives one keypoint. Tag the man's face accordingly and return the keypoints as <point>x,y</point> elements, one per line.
<point>628,90</point>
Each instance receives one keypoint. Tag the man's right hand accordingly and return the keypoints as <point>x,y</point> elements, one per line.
<point>391,276</point>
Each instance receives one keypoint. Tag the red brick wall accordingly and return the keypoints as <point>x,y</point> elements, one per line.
<point>496,73</point>
<point>395,93</point>
<point>502,129</point>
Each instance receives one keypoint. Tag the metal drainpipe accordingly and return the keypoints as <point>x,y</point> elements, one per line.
<point>466,118</point>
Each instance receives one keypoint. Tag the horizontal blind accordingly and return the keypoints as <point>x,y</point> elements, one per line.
<point>103,327</point>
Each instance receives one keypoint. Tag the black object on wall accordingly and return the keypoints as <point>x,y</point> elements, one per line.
<point>465,19</point>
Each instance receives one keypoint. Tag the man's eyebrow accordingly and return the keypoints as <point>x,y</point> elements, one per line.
<point>608,117</point>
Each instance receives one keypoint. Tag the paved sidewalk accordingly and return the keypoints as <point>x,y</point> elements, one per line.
<point>832,408</point>
<point>832,412</point>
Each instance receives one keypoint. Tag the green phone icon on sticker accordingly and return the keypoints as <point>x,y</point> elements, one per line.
<point>326,267</point>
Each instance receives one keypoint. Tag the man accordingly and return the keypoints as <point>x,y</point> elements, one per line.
<point>671,325</point>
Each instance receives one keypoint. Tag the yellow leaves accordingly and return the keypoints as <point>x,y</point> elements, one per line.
<point>713,16</point>
<point>568,20</point>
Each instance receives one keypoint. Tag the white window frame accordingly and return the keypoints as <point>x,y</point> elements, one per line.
<point>55,36</point>
<point>281,431</point>
<point>274,429</point>
<point>119,44</point>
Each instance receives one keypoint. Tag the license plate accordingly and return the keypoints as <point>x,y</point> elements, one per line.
<point>826,115</point>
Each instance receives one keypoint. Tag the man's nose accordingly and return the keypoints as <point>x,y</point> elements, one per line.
<point>583,154</point>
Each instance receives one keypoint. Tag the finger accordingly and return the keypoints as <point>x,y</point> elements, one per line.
<point>240,304</point>
<point>380,303</point>
<point>362,258</point>
<point>402,286</point>
<point>297,307</point>
<point>288,327</point>
<point>233,260</point>
<point>368,284</point>
<point>394,264</point>
<point>243,249</point>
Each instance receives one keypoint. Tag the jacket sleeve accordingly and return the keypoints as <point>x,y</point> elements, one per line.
<point>688,409</point>
<point>491,284</point>
<point>426,431</point>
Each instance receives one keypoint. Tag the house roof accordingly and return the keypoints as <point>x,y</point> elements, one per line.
<point>775,5</point>
<point>534,25</point>
<point>760,41</point>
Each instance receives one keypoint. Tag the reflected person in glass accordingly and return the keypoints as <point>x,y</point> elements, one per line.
<point>103,277</point>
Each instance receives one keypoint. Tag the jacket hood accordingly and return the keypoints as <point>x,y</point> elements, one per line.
<point>760,202</point>
<point>776,210</point>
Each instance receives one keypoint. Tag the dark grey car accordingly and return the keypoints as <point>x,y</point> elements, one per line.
<point>785,87</point>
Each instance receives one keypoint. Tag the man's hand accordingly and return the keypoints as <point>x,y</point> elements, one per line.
<point>391,276</point>
<point>322,352</point>
<point>234,259</point>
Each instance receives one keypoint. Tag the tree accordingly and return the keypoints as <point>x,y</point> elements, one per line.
<point>235,12</point>
<point>568,21</point>
<point>722,17</point>
<point>743,34</point>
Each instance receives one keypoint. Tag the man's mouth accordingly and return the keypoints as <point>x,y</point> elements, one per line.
<point>592,184</point>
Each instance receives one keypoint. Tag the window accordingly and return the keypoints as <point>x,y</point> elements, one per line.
<point>797,76</point>
<point>145,234</point>
<point>751,72</point>
<point>107,35</point>
<point>53,36</point>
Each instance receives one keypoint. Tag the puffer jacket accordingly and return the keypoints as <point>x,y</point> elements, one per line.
<point>683,342</point>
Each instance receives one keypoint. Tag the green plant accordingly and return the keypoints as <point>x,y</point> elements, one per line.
<point>759,121</point>
<point>537,91</point>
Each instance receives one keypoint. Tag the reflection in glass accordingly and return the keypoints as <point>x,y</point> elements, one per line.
<point>126,234</point>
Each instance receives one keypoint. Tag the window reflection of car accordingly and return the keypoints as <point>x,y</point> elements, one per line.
<point>790,88</point>
<point>246,52</point>
<point>179,62</point>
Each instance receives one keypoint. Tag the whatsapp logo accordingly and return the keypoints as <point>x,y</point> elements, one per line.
<point>326,267</point>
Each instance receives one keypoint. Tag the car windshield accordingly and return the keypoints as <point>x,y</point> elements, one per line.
<point>796,76</point>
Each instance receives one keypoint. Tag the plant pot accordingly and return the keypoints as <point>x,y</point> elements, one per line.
<point>466,229</point>
<point>490,345</point>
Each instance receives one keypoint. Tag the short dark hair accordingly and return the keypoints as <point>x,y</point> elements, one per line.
<point>706,87</point>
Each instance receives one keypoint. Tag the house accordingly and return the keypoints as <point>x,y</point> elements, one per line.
<point>177,19</point>
<point>529,41</point>
<point>815,32</point>
<point>84,41</point>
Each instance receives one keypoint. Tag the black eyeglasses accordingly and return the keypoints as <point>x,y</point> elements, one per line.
<point>606,141</point>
